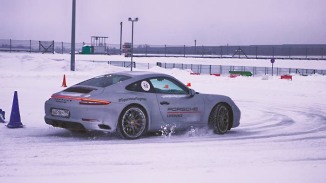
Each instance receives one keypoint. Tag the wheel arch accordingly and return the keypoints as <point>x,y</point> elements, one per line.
<point>137,105</point>
<point>214,107</point>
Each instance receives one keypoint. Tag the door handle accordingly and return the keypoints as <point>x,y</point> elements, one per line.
<point>164,103</point>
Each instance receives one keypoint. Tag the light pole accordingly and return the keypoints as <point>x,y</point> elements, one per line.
<point>132,38</point>
<point>73,35</point>
<point>120,37</point>
<point>195,46</point>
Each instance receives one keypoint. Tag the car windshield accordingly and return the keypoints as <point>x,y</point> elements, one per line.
<point>105,80</point>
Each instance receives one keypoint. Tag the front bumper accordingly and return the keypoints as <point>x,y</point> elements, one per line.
<point>236,116</point>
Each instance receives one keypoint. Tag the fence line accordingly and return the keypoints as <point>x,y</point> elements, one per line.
<point>256,71</point>
<point>221,69</point>
<point>298,51</point>
<point>316,52</point>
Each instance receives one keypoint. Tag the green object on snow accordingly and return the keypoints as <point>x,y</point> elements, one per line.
<point>242,73</point>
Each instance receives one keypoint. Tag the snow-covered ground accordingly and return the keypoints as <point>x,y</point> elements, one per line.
<point>281,138</point>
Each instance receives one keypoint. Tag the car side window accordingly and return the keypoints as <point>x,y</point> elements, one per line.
<point>168,86</point>
<point>140,86</point>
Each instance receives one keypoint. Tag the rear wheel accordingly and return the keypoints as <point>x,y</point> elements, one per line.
<point>220,118</point>
<point>132,122</point>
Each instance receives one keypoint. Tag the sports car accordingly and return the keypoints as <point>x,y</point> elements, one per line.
<point>133,103</point>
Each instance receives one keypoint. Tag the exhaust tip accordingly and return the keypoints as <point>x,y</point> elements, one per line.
<point>105,127</point>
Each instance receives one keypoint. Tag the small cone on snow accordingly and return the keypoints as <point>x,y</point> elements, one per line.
<point>2,116</point>
<point>189,84</point>
<point>15,121</point>
<point>64,83</point>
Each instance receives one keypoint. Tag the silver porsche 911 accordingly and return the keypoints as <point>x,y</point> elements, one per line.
<point>134,103</point>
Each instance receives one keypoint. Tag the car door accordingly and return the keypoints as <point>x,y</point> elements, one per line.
<point>176,105</point>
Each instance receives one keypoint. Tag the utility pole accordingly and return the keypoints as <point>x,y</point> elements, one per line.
<point>195,46</point>
<point>120,38</point>
<point>132,39</point>
<point>73,35</point>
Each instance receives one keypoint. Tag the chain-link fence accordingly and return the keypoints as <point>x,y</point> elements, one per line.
<point>296,51</point>
<point>255,71</point>
<point>11,45</point>
<point>222,69</point>
<point>253,52</point>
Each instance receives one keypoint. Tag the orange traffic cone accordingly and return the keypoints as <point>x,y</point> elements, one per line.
<point>189,84</point>
<point>64,83</point>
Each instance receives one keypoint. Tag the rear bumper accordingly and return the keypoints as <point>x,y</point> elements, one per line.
<point>83,117</point>
<point>78,126</point>
<point>65,124</point>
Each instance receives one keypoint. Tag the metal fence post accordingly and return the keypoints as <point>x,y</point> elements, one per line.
<point>256,52</point>
<point>53,46</point>
<point>266,72</point>
<point>165,50</point>
<point>202,50</point>
<point>221,52</point>
<point>184,50</point>
<point>254,71</point>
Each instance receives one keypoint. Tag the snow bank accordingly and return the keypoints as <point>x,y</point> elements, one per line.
<point>281,137</point>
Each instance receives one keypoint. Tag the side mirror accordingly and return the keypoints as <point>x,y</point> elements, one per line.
<point>192,92</point>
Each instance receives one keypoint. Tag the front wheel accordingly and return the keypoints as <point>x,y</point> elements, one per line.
<point>132,122</point>
<point>220,118</point>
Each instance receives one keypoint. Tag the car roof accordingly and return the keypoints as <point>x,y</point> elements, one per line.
<point>142,74</point>
<point>135,76</point>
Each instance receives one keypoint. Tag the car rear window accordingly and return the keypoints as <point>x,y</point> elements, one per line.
<point>79,90</point>
<point>105,80</point>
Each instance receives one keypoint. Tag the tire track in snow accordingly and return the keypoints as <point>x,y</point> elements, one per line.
<point>260,121</point>
<point>280,122</point>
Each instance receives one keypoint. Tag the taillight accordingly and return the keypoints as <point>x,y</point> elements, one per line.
<point>87,101</point>
<point>83,101</point>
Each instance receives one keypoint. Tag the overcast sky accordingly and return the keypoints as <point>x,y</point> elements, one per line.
<point>171,22</point>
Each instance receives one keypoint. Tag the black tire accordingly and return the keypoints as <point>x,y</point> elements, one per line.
<point>132,122</point>
<point>221,118</point>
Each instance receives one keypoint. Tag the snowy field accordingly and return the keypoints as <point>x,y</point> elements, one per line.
<point>281,137</point>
